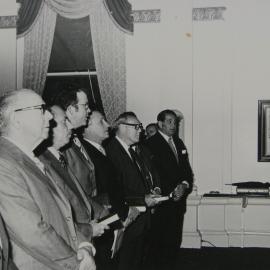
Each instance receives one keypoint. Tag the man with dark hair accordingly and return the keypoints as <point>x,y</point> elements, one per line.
<point>176,177</point>
<point>37,214</point>
<point>136,181</point>
<point>151,129</point>
<point>75,105</point>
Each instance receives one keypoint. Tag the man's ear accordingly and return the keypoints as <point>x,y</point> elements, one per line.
<point>15,120</point>
<point>69,111</point>
<point>159,123</point>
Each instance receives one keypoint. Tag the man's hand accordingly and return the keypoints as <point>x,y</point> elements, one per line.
<point>98,229</point>
<point>133,213</point>
<point>87,261</point>
<point>179,191</point>
<point>150,199</point>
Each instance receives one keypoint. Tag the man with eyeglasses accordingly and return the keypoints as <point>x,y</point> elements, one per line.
<point>37,215</point>
<point>75,104</point>
<point>136,181</point>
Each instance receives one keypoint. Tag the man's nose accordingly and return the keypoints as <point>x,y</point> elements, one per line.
<point>48,115</point>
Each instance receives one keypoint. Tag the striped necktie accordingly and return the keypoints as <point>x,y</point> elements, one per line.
<point>171,144</point>
<point>79,144</point>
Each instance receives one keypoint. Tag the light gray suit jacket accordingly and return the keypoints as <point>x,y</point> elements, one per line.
<point>38,217</point>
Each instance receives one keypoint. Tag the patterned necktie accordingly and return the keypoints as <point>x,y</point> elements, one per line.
<point>90,165</point>
<point>79,144</point>
<point>171,144</point>
<point>141,166</point>
<point>62,161</point>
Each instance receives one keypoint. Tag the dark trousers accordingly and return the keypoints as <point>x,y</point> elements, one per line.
<point>132,251</point>
<point>103,246</point>
<point>165,236</point>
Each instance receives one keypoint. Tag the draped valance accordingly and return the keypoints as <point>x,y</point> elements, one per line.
<point>119,11</point>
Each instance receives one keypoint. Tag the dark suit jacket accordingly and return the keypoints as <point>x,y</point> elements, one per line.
<point>170,171</point>
<point>38,217</point>
<point>103,169</point>
<point>6,262</point>
<point>105,178</point>
<point>129,182</point>
<point>169,215</point>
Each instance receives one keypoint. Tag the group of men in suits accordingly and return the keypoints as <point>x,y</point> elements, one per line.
<point>58,178</point>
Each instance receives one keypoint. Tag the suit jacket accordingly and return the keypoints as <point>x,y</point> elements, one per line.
<point>102,166</point>
<point>70,186</point>
<point>38,217</point>
<point>80,167</point>
<point>105,179</point>
<point>129,182</point>
<point>84,172</point>
<point>6,262</point>
<point>170,171</point>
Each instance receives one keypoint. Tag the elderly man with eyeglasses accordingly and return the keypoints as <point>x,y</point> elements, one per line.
<point>38,217</point>
<point>137,182</point>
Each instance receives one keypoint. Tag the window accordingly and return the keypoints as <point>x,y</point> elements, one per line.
<point>72,61</point>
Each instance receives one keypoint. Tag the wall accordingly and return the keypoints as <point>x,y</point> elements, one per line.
<point>159,66</point>
<point>214,71</point>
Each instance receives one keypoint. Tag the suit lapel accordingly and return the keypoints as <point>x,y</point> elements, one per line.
<point>130,162</point>
<point>165,148</point>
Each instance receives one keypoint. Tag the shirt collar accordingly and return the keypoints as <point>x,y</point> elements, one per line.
<point>166,137</point>
<point>125,146</point>
<point>95,144</point>
<point>54,152</point>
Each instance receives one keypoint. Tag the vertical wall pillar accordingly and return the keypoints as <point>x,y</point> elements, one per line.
<point>8,13</point>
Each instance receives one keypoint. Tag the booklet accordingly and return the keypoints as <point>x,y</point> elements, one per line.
<point>109,219</point>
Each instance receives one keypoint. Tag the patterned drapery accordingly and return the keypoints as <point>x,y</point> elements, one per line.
<point>108,43</point>
<point>38,45</point>
<point>72,9</point>
<point>109,52</point>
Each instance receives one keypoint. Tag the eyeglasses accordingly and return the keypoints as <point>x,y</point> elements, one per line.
<point>42,107</point>
<point>136,126</point>
<point>86,105</point>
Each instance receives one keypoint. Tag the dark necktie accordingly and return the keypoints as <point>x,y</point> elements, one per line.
<point>62,161</point>
<point>142,168</point>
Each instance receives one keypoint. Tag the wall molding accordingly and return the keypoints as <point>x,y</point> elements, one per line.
<point>146,16</point>
<point>8,21</point>
<point>208,13</point>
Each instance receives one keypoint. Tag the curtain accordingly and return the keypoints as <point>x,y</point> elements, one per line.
<point>108,45</point>
<point>38,44</point>
<point>28,13</point>
<point>120,12</point>
<point>109,53</point>
<point>72,9</point>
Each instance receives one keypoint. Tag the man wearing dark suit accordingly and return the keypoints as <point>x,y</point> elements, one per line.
<point>36,213</point>
<point>94,134</point>
<point>171,159</point>
<point>134,181</point>
<point>6,263</point>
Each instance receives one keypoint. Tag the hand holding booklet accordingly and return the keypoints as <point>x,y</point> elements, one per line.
<point>109,219</point>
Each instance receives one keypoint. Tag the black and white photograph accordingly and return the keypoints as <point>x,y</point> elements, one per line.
<point>134,134</point>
